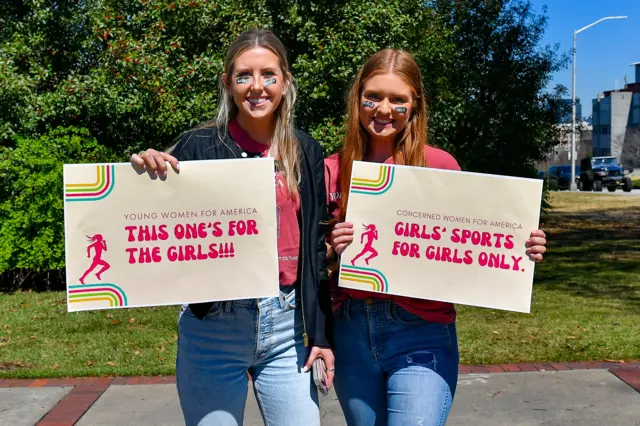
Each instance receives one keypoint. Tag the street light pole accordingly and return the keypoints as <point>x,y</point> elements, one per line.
<point>573,186</point>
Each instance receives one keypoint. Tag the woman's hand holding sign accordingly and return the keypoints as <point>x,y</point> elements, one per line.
<point>341,236</point>
<point>536,245</point>
<point>155,162</point>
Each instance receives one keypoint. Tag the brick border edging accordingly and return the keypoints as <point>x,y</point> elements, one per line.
<point>545,366</point>
<point>87,390</point>
<point>86,381</point>
<point>630,376</point>
<point>72,407</point>
<point>462,369</point>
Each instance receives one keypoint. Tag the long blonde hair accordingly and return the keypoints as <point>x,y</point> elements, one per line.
<point>284,145</point>
<point>409,145</point>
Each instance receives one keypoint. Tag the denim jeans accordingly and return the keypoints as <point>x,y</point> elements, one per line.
<point>259,337</point>
<point>392,367</point>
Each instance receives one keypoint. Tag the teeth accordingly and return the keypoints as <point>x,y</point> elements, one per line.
<point>257,100</point>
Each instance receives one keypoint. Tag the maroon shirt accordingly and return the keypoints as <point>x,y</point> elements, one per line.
<point>287,209</point>
<point>429,310</point>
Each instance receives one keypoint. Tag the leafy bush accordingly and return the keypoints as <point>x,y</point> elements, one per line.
<point>136,74</point>
<point>31,201</point>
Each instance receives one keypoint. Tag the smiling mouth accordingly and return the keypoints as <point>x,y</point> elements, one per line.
<point>258,101</point>
<point>382,121</point>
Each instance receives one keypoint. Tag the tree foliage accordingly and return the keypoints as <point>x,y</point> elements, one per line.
<point>503,120</point>
<point>135,74</point>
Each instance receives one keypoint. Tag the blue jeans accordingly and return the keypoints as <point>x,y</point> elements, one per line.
<point>392,367</point>
<point>259,337</point>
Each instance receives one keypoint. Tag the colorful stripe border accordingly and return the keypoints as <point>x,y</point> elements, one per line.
<point>377,186</point>
<point>369,276</point>
<point>93,191</point>
<point>110,293</point>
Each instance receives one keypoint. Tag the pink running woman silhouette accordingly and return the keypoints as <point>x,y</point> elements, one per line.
<point>99,244</point>
<point>372,234</point>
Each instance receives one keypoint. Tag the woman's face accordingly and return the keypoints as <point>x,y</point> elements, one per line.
<point>385,106</point>
<point>257,83</point>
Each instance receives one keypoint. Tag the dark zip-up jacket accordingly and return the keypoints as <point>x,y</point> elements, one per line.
<point>209,144</point>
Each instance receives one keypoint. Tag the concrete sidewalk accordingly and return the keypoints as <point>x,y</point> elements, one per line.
<point>525,398</point>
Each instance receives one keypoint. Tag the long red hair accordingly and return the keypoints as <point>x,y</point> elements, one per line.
<point>409,145</point>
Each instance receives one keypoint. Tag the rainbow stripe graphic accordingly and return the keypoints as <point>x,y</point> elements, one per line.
<point>377,186</point>
<point>110,293</point>
<point>369,276</point>
<point>94,191</point>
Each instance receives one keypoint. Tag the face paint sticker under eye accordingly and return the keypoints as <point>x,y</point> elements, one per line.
<point>242,80</point>
<point>269,82</point>
<point>401,110</point>
<point>368,104</point>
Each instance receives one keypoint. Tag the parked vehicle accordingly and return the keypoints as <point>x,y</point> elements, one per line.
<point>559,177</point>
<point>600,172</point>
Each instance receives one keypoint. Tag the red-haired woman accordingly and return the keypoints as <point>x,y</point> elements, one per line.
<point>396,357</point>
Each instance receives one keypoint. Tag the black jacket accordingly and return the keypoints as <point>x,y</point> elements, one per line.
<point>208,144</point>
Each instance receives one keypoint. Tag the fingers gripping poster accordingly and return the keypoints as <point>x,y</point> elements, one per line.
<point>441,235</point>
<point>206,233</point>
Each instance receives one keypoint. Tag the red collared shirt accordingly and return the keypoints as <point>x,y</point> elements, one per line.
<point>287,210</point>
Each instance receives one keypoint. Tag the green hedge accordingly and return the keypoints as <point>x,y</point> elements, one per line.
<point>91,81</point>
<point>31,206</point>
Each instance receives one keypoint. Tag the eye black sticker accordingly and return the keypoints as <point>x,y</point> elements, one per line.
<point>401,110</point>
<point>269,82</point>
<point>368,104</point>
<point>242,80</point>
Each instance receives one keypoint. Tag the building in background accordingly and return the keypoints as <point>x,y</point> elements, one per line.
<point>566,117</point>
<point>560,154</point>
<point>616,123</point>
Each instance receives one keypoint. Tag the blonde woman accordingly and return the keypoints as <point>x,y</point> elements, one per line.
<point>275,340</point>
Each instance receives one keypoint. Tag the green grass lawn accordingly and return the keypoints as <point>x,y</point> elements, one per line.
<point>586,298</point>
<point>586,306</point>
<point>38,338</point>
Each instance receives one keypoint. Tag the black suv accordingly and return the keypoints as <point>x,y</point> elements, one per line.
<point>599,172</point>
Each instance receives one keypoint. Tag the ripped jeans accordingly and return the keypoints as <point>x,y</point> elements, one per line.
<point>392,367</point>
<point>262,337</point>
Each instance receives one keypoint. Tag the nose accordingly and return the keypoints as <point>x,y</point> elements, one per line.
<point>257,85</point>
<point>384,107</point>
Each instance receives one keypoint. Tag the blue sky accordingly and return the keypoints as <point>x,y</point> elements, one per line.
<point>604,51</point>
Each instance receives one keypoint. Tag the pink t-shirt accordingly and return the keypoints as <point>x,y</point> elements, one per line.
<point>429,310</point>
<point>287,210</point>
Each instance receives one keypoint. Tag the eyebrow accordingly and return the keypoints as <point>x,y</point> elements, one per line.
<point>241,70</point>
<point>392,95</point>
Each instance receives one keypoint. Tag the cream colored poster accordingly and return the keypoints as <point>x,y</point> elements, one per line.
<point>206,233</point>
<point>441,235</point>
